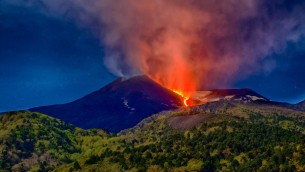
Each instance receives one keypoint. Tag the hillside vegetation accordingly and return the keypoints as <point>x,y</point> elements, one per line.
<point>220,136</point>
<point>38,142</point>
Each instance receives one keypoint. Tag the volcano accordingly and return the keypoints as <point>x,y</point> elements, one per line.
<point>125,102</point>
<point>119,105</point>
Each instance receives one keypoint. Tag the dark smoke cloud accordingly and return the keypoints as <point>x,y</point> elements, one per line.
<point>215,42</point>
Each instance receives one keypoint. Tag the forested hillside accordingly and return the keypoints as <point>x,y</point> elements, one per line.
<point>220,136</point>
<point>38,142</point>
<point>217,136</point>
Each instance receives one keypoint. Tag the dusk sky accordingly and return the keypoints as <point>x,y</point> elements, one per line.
<point>47,59</point>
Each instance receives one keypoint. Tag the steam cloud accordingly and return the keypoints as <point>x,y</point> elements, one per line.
<point>207,42</point>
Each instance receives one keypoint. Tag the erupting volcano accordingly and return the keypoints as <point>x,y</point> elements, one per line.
<point>178,78</point>
<point>185,98</point>
<point>184,87</point>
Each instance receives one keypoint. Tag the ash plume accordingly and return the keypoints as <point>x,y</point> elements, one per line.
<point>188,43</point>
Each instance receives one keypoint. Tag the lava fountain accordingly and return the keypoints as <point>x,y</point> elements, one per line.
<point>176,78</point>
<point>184,94</point>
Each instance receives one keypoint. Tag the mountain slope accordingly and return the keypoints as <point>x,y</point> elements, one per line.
<point>117,106</point>
<point>36,141</point>
<point>241,95</point>
<point>218,136</point>
<point>300,106</point>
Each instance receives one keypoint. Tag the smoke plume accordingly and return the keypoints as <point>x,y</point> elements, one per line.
<point>188,44</point>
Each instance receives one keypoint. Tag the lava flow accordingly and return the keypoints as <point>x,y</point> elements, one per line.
<point>185,98</point>
<point>177,85</point>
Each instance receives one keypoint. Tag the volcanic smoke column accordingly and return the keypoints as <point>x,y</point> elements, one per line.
<point>186,44</point>
<point>155,38</point>
<point>170,65</point>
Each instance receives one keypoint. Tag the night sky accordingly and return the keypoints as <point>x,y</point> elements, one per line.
<point>45,60</point>
<point>50,60</point>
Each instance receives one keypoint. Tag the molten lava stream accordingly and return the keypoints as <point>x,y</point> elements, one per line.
<point>185,98</point>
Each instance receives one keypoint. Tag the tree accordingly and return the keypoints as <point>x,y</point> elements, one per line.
<point>235,164</point>
<point>76,166</point>
<point>194,165</point>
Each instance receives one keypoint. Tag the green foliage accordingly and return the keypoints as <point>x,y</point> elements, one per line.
<point>31,140</point>
<point>255,139</point>
<point>194,165</point>
<point>76,165</point>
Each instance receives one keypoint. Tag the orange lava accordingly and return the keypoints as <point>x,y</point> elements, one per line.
<point>180,86</point>
<point>185,98</point>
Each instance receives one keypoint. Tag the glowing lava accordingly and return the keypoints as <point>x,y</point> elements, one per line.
<point>179,85</point>
<point>185,98</point>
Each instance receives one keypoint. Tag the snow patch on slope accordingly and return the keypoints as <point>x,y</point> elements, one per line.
<point>126,105</point>
<point>254,98</point>
<point>235,95</point>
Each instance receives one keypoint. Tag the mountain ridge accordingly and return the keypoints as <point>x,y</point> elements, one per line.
<point>244,95</point>
<point>118,105</point>
<point>125,102</point>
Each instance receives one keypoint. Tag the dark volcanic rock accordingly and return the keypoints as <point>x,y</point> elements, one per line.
<point>299,106</point>
<point>119,105</point>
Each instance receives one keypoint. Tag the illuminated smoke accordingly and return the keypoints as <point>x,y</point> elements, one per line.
<point>188,44</point>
